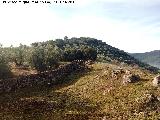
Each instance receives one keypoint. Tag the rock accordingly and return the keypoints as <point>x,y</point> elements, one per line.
<point>128,72</point>
<point>47,77</point>
<point>150,98</point>
<point>117,72</point>
<point>89,62</point>
<point>158,98</point>
<point>114,74</point>
<point>105,73</point>
<point>130,78</point>
<point>156,81</point>
<point>97,77</point>
<point>104,118</point>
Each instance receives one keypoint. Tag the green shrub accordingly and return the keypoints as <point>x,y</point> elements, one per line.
<point>4,68</point>
<point>43,59</point>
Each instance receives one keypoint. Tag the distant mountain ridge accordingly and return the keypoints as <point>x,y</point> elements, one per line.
<point>151,58</point>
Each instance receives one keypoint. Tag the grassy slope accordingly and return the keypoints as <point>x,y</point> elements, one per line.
<point>92,95</point>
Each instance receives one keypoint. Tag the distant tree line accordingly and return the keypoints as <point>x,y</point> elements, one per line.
<point>47,55</point>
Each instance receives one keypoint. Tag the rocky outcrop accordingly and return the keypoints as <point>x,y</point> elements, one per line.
<point>156,81</point>
<point>117,72</point>
<point>45,78</point>
<point>128,77</point>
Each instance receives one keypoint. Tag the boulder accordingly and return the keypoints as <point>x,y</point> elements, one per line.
<point>127,72</point>
<point>156,81</point>
<point>148,99</point>
<point>117,72</point>
<point>130,78</point>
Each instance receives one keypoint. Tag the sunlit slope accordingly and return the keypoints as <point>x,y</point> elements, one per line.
<point>91,95</point>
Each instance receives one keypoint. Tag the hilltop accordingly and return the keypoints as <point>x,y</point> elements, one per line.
<point>48,54</point>
<point>105,52</point>
<point>151,58</point>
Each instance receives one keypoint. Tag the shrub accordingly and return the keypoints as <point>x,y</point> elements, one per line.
<point>43,59</point>
<point>4,68</point>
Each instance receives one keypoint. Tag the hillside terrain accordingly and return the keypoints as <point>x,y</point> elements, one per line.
<point>151,58</point>
<point>95,94</point>
<point>76,79</point>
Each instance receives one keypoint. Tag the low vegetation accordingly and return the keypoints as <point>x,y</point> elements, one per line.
<point>92,95</point>
<point>47,55</point>
<point>4,68</point>
<point>104,83</point>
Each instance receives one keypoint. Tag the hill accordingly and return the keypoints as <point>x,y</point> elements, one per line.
<point>48,54</point>
<point>151,58</point>
<point>105,52</point>
<point>76,79</point>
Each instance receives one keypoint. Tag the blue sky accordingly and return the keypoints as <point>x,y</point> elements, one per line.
<point>130,25</point>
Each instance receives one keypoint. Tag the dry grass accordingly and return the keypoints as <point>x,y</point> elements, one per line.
<point>94,95</point>
<point>21,70</point>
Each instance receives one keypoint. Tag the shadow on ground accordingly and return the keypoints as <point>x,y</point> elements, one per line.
<point>44,103</point>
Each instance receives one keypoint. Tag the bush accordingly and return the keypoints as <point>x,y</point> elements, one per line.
<point>4,68</point>
<point>38,59</point>
<point>80,54</point>
<point>43,59</point>
<point>4,71</point>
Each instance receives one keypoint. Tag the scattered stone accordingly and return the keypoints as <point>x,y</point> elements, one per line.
<point>104,118</point>
<point>117,72</point>
<point>114,74</point>
<point>130,78</point>
<point>127,72</point>
<point>97,77</point>
<point>145,98</point>
<point>43,78</point>
<point>158,98</point>
<point>105,73</point>
<point>151,98</point>
<point>156,81</point>
<point>89,62</point>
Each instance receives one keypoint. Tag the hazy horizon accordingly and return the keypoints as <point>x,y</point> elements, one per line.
<point>132,26</point>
